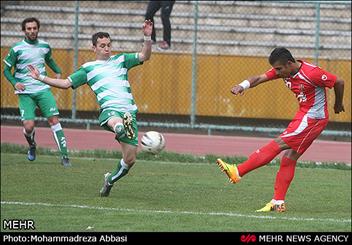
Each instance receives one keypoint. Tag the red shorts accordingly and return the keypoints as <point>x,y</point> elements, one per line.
<point>302,131</point>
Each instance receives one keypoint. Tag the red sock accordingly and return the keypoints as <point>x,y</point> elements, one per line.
<point>259,158</point>
<point>284,177</point>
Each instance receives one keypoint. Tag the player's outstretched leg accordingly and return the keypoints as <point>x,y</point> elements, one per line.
<point>111,178</point>
<point>105,190</point>
<point>230,170</point>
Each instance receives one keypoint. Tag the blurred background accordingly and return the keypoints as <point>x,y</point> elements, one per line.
<point>214,45</point>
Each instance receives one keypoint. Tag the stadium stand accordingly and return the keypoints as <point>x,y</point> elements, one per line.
<point>224,27</point>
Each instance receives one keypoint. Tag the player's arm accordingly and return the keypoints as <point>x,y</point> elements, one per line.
<point>55,82</point>
<point>339,88</point>
<point>52,64</point>
<point>147,46</point>
<point>12,79</point>
<point>251,82</point>
<point>326,79</point>
<point>10,62</point>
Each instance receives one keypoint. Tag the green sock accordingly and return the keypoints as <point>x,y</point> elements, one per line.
<point>119,172</point>
<point>59,138</point>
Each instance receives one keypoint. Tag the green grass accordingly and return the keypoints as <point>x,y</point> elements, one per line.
<point>165,195</point>
<point>166,156</point>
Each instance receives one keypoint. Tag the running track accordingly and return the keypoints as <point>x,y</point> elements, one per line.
<point>78,139</point>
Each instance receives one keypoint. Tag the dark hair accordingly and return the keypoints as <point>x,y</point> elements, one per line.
<point>28,20</point>
<point>99,35</point>
<point>282,55</point>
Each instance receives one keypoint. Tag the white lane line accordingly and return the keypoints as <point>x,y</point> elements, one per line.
<point>268,217</point>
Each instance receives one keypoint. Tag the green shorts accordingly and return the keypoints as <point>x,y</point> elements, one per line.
<point>107,114</point>
<point>43,99</point>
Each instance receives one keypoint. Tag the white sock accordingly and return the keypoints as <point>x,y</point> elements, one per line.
<point>124,165</point>
<point>279,202</point>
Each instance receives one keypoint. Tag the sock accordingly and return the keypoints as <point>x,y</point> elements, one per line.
<point>59,138</point>
<point>279,202</point>
<point>119,130</point>
<point>119,172</point>
<point>30,137</point>
<point>259,158</point>
<point>284,177</point>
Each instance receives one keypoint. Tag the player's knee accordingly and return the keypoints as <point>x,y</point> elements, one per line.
<point>291,154</point>
<point>53,121</point>
<point>130,160</point>
<point>28,126</point>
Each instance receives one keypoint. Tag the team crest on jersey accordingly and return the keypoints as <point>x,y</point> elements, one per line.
<point>302,96</point>
<point>288,83</point>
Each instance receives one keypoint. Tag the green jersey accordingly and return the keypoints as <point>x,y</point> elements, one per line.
<point>109,81</point>
<point>26,53</point>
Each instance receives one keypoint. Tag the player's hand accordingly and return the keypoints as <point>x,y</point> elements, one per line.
<point>237,89</point>
<point>338,108</point>
<point>33,72</point>
<point>147,27</point>
<point>20,87</point>
<point>58,76</point>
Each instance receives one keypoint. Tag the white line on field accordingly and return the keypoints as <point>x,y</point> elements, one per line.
<point>268,217</point>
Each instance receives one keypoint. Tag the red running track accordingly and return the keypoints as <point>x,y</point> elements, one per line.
<point>78,139</point>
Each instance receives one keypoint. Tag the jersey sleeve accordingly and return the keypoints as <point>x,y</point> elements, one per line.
<point>271,74</point>
<point>51,63</point>
<point>132,60</point>
<point>10,59</point>
<point>322,78</point>
<point>78,78</point>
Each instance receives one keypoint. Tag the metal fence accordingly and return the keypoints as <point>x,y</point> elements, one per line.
<point>214,45</point>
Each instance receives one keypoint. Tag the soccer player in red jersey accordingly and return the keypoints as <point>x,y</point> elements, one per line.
<point>308,83</point>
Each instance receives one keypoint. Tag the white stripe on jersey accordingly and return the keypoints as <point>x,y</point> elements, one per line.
<point>305,79</point>
<point>106,81</point>
<point>119,60</point>
<point>111,92</point>
<point>108,69</point>
<point>300,128</point>
<point>317,111</point>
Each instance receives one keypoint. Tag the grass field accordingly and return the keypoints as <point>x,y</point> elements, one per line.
<point>167,196</point>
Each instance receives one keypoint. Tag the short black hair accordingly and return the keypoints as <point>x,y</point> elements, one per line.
<point>28,20</point>
<point>99,35</point>
<point>282,55</point>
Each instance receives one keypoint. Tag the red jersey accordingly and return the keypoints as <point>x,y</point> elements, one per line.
<point>308,84</point>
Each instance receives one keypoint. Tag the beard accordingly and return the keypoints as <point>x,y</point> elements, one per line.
<point>32,37</point>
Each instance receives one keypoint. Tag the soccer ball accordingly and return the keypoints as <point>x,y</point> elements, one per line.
<point>153,142</point>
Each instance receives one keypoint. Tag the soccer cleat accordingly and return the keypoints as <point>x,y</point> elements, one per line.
<point>65,162</point>
<point>31,153</point>
<point>280,208</point>
<point>105,190</point>
<point>127,124</point>
<point>267,208</point>
<point>230,170</point>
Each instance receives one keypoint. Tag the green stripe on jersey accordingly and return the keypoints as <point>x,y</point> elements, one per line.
<point>26,54</point>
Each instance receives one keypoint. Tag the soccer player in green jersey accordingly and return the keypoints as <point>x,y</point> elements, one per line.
<point>107,76</point>
<point>32,93</point>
